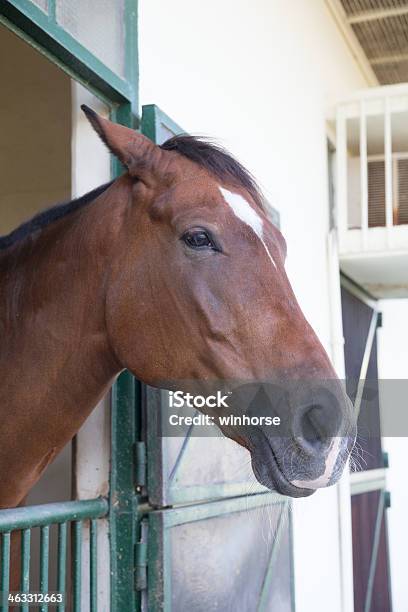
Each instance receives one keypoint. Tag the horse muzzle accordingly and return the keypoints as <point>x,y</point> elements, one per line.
<point>311,449</point>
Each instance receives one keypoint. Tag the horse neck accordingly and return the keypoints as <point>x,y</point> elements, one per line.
<point>55,349</point>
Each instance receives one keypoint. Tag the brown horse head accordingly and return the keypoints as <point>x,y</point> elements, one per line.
<point>198,291</point>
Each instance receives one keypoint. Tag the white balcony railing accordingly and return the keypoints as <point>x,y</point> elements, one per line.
<point>372,188</point>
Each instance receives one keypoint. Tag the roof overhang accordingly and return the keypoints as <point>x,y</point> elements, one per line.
<point>381,29</point>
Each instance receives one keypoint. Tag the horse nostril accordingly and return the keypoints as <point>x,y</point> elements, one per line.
<point>317,427</point>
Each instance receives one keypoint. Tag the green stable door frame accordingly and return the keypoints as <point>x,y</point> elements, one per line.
<point>41,30</point>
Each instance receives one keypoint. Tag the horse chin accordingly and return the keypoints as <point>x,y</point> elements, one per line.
<point>268,473</point>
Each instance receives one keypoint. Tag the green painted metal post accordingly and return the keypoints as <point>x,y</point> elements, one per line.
<point>62,563</point>
<point>25,564</point>
<point>5,568</point>
<point>76,565</point>
<point>93,565</point>
<point>123,501</point>
<point>44,557</point>
<point>52,11</point>
<point>131,54</point>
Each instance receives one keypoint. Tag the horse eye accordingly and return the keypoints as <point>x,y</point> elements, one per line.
<point>198,239</point>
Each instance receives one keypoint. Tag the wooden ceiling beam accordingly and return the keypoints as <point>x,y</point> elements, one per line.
<point>389,59</point>
<point>378,14</point>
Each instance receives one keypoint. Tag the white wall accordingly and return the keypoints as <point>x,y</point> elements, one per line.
<point>260,76</point>
<point>90,168</point>
<point>393,364</point>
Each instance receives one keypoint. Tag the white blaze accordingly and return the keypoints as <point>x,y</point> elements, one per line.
<point>244,211</point>
<point>324,479</point>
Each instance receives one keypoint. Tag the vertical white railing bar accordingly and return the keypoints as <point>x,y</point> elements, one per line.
<point>341,174</point>
<point>363,174</point>
<point>388,169</point>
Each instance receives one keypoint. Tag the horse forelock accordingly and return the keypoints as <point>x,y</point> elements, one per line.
<point>217,161</point>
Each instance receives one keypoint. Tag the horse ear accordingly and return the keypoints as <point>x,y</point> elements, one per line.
<point>134,150</point>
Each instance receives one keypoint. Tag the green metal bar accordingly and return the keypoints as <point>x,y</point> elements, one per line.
<point>76,565</point>
<point>126,393</point>
<point>374,551</point>
<point>182,451</point>
<point>34,26</point>
<point>45,514</point>
<point>93,565</point>
<point>158,561</point>
<point>124,115</point>
<point>44,558</point>
<point>189,514</point>
<point>52,11</point>
<point>141,557</point>
<point>62,563</point>
<point>152,118</point>
<point>150,121</point>
<point>131,51</point>
<point>181,495</point>
<point>126,401</point>
<point>123,501</point>
<point>5,568</point>
<point>25,564</point>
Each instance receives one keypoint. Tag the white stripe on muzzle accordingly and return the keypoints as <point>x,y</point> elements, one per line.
<point>324,479</point>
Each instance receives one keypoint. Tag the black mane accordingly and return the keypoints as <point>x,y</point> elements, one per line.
<point>46,217</point>
<point>206,154</point>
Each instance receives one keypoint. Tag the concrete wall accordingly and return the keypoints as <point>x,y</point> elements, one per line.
<point>260,76</point>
